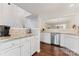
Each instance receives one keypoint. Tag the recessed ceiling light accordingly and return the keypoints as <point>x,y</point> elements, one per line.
<point>71,5</point>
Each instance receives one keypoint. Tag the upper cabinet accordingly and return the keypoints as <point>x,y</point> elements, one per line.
<point>12,15</point>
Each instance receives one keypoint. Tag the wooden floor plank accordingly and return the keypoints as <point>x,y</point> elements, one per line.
<point>50,50</point>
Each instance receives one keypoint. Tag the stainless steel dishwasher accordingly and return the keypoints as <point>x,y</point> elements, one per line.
<point>55,38</point>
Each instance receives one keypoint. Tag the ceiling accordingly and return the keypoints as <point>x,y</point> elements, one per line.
<point>50,10</point>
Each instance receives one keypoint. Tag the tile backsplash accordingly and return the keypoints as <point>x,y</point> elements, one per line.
<point>18,32</point>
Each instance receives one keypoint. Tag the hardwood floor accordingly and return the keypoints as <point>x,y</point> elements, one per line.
<point>50,50</point>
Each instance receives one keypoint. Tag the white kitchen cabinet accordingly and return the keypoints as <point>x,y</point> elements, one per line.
<point>62,40</point>
<point>33,45</point>
<point>65,41</point>
<point>74,42</point>
<point>25,47</point>
<point>10,48</point>
<point>70,41</point>
<point>37,43</point>
<point>12,52</point>
<point>46,37</point>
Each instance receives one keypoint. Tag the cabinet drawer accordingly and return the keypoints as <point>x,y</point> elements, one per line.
<point>12,52</point>
<point>9,44</point>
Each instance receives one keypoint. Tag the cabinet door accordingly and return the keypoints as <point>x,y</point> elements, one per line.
<point>12,52</point>
<point>33,45</point>
<point>25,48</point>
<point>65,41</point>
<point>10,46</point>
<point>46,37</point>
<point>68,41</point>
<point>37,43</point>
<point>74,45</point>
<point>62,38</point>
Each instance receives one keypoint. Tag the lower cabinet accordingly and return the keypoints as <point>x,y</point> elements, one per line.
<point>19,47</point>
<point>46,37</point>
<point>10,48</point>
<point>66,41</point>
<point>25,47</point>
<point>33,45</point>
<point>12,52</point>
<point>62,40</point>
<point>70,41</point>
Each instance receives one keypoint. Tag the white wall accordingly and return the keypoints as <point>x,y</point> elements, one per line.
<point>62,20</point>
<point>12,15</point>
<point>32,21</point>
<point>41,23</point>
<point>74,20</point>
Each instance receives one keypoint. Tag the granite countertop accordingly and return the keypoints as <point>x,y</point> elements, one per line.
<point>60,31</point>
<point>10,38</point>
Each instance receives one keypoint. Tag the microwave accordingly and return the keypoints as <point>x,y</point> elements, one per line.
<point>4,30</point>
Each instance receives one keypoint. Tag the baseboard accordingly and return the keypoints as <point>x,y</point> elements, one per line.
<point>51,44</point>
<point>34,53</point>
<point>45,43</point>
<point>56,45</point>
